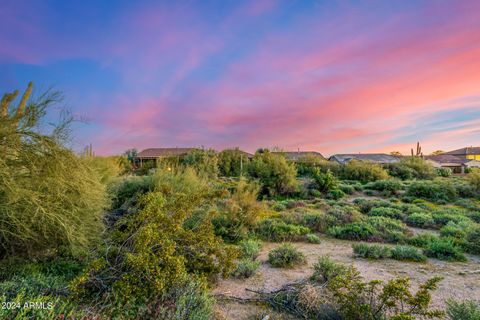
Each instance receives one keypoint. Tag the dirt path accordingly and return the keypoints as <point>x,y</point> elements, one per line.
<point>461,279</point>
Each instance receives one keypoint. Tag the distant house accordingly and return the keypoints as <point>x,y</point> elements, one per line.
<point>244,153</point>
<point>298,155</point>
<point>379,158</point>
<point>154,154</point>
<point>470,153</point>
<point>457,164</point>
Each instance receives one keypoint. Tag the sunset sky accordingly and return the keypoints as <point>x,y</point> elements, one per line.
<point>335,77</point>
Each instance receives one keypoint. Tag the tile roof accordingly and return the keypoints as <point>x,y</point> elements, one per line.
<point>295,155</point>
<point>372,157</point>
<point>446,158</point>
<point>464,151</point>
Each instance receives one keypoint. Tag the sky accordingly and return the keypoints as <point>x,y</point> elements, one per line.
<point>329,76</point>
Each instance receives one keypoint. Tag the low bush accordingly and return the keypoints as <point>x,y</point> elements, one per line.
<point>339,215</point>
<point>437,190</point>
<point>387,212</point>
<point>407,253</point>
<point>286,256</point>
<point>420,219</point>
<point>463,310</point>
<point>316,221</point>
<point>277,230</point>
<point>312,238</point>
<point>390,230</point>
<point>250,248</point>
<point>324,182</point>
<point>422,240</point>
<point>335,194</point>
<point>412,167</point>
<point>387,187</point>
<point>473,177</point>
<point>353,231</point>
<point>366,205</point>
<point>453,230</point>
<point>371,251</point>
<point>363,171</point>
<point>444,249</point>
<point>347,188</point>
<point>245,268</point>
<point>443,216</point>
<point>326,269</point>
<point>444,172</point>
<point>473,240</point>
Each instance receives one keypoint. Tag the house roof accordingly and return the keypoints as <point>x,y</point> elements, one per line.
<point>464,151</point>
<point>163,152</point>
<point>296,155</point>
<point>371,157</point>
<point>446,159</point>
<point>247,154</point>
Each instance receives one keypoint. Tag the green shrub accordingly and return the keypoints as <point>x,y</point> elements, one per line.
<point>387,212</point>
<point>279,207</point>
<point>473,177</point>
<point>335,194</point>
<point>347,188</point>
<point>250,248</point>
<point>412,167</point>
<point>436,190</point>
<point>277,230</point>
<point>444,249</point>
<point>463,310</point>
<point>445,215</point>
<point>444,172</point>
<point>371,251</point>
<point>473,240</point>
<point>245,268</point>
<point>407,253</point>
<point>276,175</point>
<point>324,182</point>
<point>366,205</point>
<point>51,200</point>
<point>315,221</point>
<point>363,171</point>
<point>420,219</point>
<point>312,238</point>
<point>285,256</point>
<point>453,230</point>
<point>326,269</point>
<point>238,214</point>
<point>353,231</point>
<point>156,255</point>
<point>387,187</point>
<point>126,191</point>
<point>423,239</point>
<point>231,161</point>
<point>343,214</point>
<point>390,230</point>
<point>204,162</point>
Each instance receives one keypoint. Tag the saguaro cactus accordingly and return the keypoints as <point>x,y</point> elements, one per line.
<point>418,152</point>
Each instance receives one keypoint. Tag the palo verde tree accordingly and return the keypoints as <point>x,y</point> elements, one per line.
<point>50,200</point>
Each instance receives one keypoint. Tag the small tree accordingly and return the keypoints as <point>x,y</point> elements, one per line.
<point>50,199</point>
<point>277,176</point>
<point>205,162</point>
<point>231,162</point>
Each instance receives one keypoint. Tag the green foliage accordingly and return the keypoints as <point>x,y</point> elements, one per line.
<point>444,172</point>
<point>238,214</point>
<point>463,310</point>
<point>407,253</point>
<point>387,229</point>
<point>412,167</point>
<point>339,215</point>
<point>286,256</point>
<point>347,188</point>
<point>353,231</point>
<point>278,230</point>
<point>326,269</point>
<point>437,190</point>
<point>363,171</point>
<point>315,221</point>
<point>444,249</point>
<point>231,162</point>
<point>324,182</point>
<point>250,248</point>
<point>335,194</point>
<point>51,200</point>
<point>387,187</point>
<point>205,162</point>
<point>420,219</point>
<point>126,191</point>
<point>106,168</point>
<point>453,230</point>
<point>423,239</point>
<point>473,240</point>
<point>312,238</point>
<point>474,179</point>
<point>160,249</point>
<point>276,175</point>
<point>357,299</point>
<point>387,212</point>
<point>371,251</point>
<point>245,268</point>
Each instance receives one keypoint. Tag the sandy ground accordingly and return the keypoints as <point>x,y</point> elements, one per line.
<point>461,279</point>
